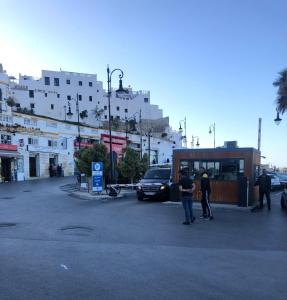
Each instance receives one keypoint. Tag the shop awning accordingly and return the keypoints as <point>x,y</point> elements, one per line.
<point>4,153</point>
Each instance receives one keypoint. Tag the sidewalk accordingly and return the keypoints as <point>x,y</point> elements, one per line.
<point>84,195</point>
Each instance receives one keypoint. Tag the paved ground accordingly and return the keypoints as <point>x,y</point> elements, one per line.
<point>67,248</point>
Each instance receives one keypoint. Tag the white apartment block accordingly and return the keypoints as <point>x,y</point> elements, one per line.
<point>31,142</point>
<point>53,94</point>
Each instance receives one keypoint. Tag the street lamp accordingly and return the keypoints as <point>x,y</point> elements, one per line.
<point>277,120</point>
<point>212,130</point>
<point>70,114</point>
<point>149,135</point>
<point>192,141</point>
<point>120,90</point>
<point>180,130</point>
<point>140,123</point>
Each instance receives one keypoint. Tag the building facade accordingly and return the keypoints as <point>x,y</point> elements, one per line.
<point>37,133</point>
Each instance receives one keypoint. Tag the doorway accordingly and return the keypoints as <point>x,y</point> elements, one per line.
<point>32,166</point>
<point>6,168</point>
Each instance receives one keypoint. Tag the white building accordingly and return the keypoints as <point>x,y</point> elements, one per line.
<point>36,133</point>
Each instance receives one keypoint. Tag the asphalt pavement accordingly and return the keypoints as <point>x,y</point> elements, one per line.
<point>54,246</point>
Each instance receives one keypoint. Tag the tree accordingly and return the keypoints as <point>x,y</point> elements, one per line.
<point>129,165</point>
<point>85,157</point>
<point>10,102</point>
<point>281,83</point>
<point>143,165</point>
<point>83,114</point>
<point>97,112</point>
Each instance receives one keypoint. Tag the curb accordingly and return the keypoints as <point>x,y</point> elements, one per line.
<point>87,196</point>
<point>197,205</point>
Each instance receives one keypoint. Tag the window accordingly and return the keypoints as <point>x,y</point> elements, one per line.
<point>5,139</point>
<point>46,95</point>
<point>105,107</point>
<point>112,117</point>
<point>68,81</point>
<point>80,83</point>
<point>52,143</point>
<point>18,105</point>
<point>0,95</point>
<point>118,117</point>
<point>68,97</point>
<point>47,80</point>
<point>106,116</point>
<point>90,83</point>
<point>52,106</point>
<point>91,98</point>
<point>32,105</point>
<point>56,82</point>
<point>32,141</point>
<point>58,95</point>
<point>126,110</point>
<point>31,93</point>
<point>97,91</point>
<point>80,97</point>
<point>146,100</point>
<point>118,108</point>
<point>31,122</point>
<point>225,169</point>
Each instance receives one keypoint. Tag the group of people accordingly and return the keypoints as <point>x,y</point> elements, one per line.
<point>187,187</point>
<point>55,171</point>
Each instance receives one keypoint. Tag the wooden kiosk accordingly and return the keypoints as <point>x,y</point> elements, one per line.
<point>232,172</point>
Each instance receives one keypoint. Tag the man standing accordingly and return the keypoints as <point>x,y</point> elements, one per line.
<point>186,187</point>
<point>205,194</point>
<point>264,182</point>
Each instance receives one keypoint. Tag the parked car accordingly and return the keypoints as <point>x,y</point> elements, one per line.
<point>284,199</point>
<point>283,179</point>
<point>275,181</point>
<point>155,184</point>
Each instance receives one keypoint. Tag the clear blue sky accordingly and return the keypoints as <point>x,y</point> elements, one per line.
<point>208,60</point>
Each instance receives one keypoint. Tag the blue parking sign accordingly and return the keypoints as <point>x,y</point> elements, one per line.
<point>97,176</point>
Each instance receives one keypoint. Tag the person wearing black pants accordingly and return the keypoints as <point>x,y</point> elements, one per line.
<point>264,182</point>
<point>186,187</point>
<point>205,191</point>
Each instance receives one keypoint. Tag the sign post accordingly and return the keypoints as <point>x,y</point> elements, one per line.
<point>97,177</point>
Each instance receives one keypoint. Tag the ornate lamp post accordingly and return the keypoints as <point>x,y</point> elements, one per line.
<point>180,130</point>
<point>212,130</point>
<point>192,141</point>
<point>120,90</point>
<point>277,120</point>
<point>70,114</point>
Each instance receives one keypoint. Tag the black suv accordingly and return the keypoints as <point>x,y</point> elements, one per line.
<point>155,184</point>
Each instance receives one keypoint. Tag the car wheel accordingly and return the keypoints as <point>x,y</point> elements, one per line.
<point>140,198</point>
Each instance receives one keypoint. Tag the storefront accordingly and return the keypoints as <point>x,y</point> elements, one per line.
<point>232,172</point>
<point>8,162</point>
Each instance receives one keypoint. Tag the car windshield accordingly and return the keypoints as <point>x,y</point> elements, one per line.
<point>157,174</point>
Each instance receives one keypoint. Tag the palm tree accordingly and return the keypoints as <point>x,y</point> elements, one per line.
<point>281,83</point>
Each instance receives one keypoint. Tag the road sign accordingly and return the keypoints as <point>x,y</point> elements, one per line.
<point>97,177</point>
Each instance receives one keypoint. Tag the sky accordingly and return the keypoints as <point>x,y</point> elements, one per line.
<point>211,61</point>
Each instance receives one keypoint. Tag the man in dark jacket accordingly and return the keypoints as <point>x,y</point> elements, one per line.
<point>264,182</point>
<point>186,187</point>
<point>205,194</point>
